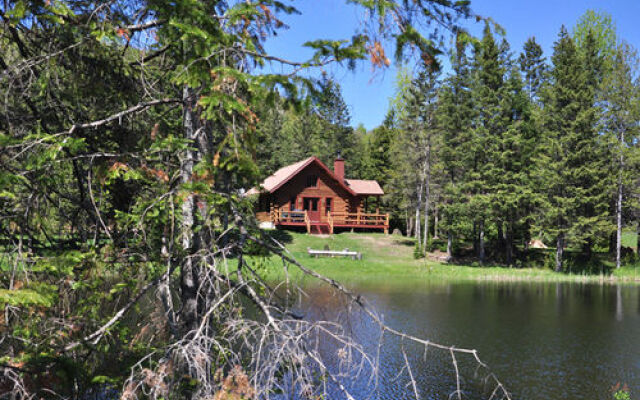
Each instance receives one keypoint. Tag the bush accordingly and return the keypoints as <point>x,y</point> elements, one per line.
<point>437,244</point>
<point>621,393</point>
<point>550,261</point>
<point>629,256</point>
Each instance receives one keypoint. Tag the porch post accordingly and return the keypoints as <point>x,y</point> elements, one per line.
<point>386,225</point>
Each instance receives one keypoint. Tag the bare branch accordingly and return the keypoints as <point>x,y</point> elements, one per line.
<point>138,107</point>
<point>94,337</point>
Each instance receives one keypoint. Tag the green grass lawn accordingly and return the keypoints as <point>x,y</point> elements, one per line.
<point>391,257</point>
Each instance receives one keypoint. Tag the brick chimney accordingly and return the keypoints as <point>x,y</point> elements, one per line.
<point>338,167</point>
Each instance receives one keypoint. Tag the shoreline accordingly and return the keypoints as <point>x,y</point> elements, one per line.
<point>390,258</point>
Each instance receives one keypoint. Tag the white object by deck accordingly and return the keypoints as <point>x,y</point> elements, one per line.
<point>267,225</point>
<point>334,253</point>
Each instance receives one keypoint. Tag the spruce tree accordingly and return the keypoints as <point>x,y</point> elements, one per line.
<point>379,151</point>
<point>334,134</point>
<point>455,114</point>
<point>572,163</point>
<point>594,176</point>
<point>533,66</point>
<point>513,193</point>
<point>489,126</point>
<point>317,128</point>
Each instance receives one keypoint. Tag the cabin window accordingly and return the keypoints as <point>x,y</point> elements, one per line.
<point>327,205</point>
<point>292,203</point>
<point>312,181</point>
<point>310,204</point>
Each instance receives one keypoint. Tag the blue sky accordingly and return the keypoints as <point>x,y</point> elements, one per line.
<point>367,93</point>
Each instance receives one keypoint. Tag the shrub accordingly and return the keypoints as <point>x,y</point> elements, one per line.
<point>621,392</point>
<point>550,261</point>
<point>418,252</point>
<point>437,244</point>
<point>629,256</point>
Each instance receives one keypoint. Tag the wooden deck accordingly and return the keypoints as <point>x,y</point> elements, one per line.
<point>331,221</point>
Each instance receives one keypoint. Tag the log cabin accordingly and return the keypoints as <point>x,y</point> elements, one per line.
<point>309,195</point>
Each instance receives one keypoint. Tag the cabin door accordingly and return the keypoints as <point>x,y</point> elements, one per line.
<point>312,206</point>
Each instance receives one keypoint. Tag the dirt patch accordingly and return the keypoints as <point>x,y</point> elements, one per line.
<point>387,245</point>
<point>370,239</point>
<point>438,255</point>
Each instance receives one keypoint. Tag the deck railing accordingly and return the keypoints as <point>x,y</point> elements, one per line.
<point>357,219</point>
<point>333,219</point>
<point>282,216</point>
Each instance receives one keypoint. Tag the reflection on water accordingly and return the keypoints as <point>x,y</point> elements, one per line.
<point>543,340</point>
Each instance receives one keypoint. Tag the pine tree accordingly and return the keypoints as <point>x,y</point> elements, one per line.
<point>379,151</point>
<point>572,163</point>
<point>318,128</point>
<point>455,113</point>
<point>593,177</point>
<point>514,195</point>
<point>533,66</point>
<point>333,133</point>
<point>489,127</point>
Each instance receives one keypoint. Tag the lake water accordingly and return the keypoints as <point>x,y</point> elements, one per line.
<point>543,340</point>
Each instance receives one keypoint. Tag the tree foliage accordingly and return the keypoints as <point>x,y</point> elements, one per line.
<point>128,131</point>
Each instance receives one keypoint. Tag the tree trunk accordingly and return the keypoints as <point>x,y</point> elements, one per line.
<point>449,246</point>
<point>559,251</point>
<point>612,242</point>
<point>474,238</point>
<point>418,207</point>
<point>435,222</point>
<point>587,248</point>
<point>638,238</point>
<point>527,235</point>
<point>509,244</point>
<point>500,235</point>
<point>619,206</point>
<point>188,274</point>
<point>619,225</point>
<point>409,226</point>
<point>481,252</point>
<point>425,240</point>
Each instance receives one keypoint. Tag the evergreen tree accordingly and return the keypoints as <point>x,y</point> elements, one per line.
<point>126,136</point>
<point>334,134</point>
<point>533,66</point>
<point>318,128</point>
<point>455,114</point>
<point>513,194</point>
<point>489,127</point>
<point>572,163</point>
<point>379,165</point>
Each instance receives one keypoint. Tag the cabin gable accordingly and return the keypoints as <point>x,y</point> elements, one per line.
<point>300,187</point>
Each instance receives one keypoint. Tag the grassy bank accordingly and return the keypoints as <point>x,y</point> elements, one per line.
<point>391,257</point>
